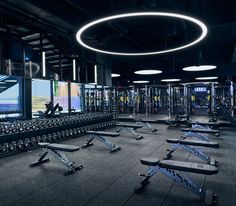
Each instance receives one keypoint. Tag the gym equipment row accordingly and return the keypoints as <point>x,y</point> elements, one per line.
<point>24,135</point>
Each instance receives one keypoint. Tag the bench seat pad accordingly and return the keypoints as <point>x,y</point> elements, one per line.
<point>135,126</point>
<point>63,147</point>
<point>110,134</point>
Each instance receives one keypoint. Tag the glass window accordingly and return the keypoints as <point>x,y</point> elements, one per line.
<point>9,93</point>
<point>60,94</point>
<point>76,96</point>
<point>40,94</point>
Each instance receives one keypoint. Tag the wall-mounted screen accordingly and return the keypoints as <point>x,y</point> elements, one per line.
<point>60,94</point>
<point>9,93</point>
<point>41,94</point>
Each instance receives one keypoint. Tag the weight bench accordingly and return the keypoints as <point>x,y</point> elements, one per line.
<point>102,137</point>
<point>190,146</point>
<point>146,124</point>
<point>58,150</point>
<point>131,129</point>
<point>169,167</point>
<point>197,132</point>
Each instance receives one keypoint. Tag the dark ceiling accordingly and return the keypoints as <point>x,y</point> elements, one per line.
<point>62,19</point>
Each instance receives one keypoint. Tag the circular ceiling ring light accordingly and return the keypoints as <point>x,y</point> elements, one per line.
<point>140,82</point>
<point>171,80</point>
<point>115,75</point>
<point>148,72</point>
<point>199,68</point>
<point>206,78</point>
<point>200,24</point>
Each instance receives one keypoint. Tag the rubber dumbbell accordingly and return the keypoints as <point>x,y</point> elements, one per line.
<point>33,141</point>
<point>12,146</point>
<point>20,145</point>
<point>27,143</point>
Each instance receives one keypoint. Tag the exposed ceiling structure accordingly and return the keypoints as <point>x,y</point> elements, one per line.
<point>60,20</point>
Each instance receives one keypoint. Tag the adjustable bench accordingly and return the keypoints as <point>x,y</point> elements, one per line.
<point>102,137</point>
<point>130,128</point>
<point>169,167</point>
<point>189,145</point>
<point>146,124</point>
<point>197,132</point>
<point>57,150</point>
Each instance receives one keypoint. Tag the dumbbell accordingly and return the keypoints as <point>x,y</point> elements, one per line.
<point>33,141</point>
<point>67,134</point>
<point>38,139</point>
<point>12,146</point>
<point>58,135</point>
<point>5,148</point>
<point>44,138</point>
<point>20,145</point>
<point>49,138</point>
<point>63,134</point>
<point>27,143</point>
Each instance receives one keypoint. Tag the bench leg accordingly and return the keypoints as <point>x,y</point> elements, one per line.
<point>169,154</point>
<point>40,160</point>
<point>89,142</point>
<point>107,142</point>
<point>151,171</point>
<point>147,125</point>
<point>135,134</point>
<point>70,165</point>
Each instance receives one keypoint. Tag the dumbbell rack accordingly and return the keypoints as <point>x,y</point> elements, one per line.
<point>25,135</point>
<point>6,116</point>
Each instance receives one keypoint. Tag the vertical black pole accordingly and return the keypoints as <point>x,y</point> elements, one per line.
<point>60,67</point>
<point>51,90</point>
<point>27,98</point>
<point>69,97</point>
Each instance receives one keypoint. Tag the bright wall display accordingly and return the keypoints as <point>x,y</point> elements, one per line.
<point>76,96</point>
<point>9,93</point>
<point>41,94</point>
<point>60,94</point>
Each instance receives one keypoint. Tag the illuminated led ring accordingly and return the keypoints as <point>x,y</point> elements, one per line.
<point>179,16</point>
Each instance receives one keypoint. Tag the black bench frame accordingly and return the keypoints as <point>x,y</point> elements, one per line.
<point>102,137</point>
<point>208,196</point>
<point>71,168</point>
<point>129,129</point>
<point>191,149</point>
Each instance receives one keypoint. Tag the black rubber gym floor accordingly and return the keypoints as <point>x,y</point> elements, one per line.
<point>110,178</point>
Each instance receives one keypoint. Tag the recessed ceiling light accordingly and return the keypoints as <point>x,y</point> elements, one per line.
<point>200,24</point>
<point>171,80</point>
<point>2,82</point>
<point>206,78</point>
<point>115,75</point>
<point>140,82</point>
<point>147,72</point>
<point>199,68</point>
